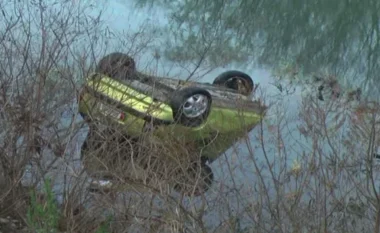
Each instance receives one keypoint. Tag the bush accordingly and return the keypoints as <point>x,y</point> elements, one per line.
<point>312,169</point>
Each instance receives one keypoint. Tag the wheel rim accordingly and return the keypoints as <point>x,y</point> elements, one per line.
<point>242,85</point>
<point>195,105</point>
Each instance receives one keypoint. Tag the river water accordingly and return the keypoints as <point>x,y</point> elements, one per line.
<point>236,171</point>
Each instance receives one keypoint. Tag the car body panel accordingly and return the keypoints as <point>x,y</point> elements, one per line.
<point>130,97</point>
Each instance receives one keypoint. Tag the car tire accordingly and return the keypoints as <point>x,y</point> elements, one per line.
<point>116,65</point>
<point>236,80</point>
<point>191,106</point>
<point>197,181</point>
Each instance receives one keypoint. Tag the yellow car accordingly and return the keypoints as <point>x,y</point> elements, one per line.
<point>206,118</point>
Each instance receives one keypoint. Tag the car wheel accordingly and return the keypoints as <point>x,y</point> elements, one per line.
<point>116,65</point>
<point>236,80</point>
<point>196,180</point>
<point>191,106</point>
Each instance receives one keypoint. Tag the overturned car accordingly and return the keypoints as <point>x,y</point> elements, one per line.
<point>203,120</point>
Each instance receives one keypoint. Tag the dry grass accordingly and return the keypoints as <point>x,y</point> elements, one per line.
<point>313,171</point>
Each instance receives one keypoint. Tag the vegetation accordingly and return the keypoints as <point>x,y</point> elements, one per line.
<point>43,217</point>
<point>310,166</point>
